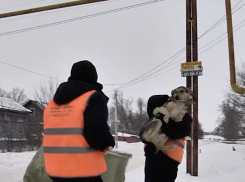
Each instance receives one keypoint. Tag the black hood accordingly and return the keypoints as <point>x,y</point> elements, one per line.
<point>155,101</point>
<point>70,90</point>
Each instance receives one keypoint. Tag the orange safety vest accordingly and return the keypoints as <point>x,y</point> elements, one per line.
<point>66,152</point>
<point>176,153</point>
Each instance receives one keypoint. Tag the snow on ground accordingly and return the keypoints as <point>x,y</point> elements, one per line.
<point>213,137</point>
<point>13,166</point>
<point>217,163</point>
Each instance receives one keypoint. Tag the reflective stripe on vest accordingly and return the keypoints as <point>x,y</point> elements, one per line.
<point>177,142</point>
<point>177,153</point>
<point>66,152</point>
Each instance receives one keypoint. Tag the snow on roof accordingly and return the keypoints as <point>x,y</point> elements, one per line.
<point>9,104</point>
<point>38,104</point>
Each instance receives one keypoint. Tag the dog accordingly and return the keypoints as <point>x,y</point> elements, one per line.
<point>175,109</point>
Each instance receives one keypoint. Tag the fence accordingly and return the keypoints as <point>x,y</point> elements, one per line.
<point>19,146</point>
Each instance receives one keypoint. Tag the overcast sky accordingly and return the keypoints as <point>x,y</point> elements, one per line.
<point>123,45</point>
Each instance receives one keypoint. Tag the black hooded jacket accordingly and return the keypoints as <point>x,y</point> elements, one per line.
<point>158,166</point>
<point>96,130</point>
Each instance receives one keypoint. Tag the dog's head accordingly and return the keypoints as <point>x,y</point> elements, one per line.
<point>182,94</point>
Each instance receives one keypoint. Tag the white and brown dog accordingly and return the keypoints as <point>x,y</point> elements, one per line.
<point>175,109</point>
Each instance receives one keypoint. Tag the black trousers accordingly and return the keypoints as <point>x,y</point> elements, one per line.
<point>159,167</point>
<point>90,179</point>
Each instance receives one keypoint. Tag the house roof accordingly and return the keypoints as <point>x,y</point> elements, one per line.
<point>10,104</point>
<point>38,104</point>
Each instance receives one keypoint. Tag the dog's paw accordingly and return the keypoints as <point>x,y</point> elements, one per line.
<point>172,147</point>
<point>165,119</point>
<point>187,138</point>
<point>178,119</point>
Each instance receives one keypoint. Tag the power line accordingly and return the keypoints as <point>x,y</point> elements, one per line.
<point>139,77</point>
<point>79,18</point>
<point>29,71</point>
<point>145,74</point>
<point>222,19</point>
<point>237,27</point>
<point>225,36</point>
<point>160,69</point>
<point>21,4</point>
<point>143,77</point>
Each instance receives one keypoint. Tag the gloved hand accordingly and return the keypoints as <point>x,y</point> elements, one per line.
<point>107,149</point>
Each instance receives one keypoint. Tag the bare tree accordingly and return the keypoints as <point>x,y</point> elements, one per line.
<point>130,120</point>
<point>141,105</point>
<point>45,92</point>
<point>3,93</point>
<point>200,130</point>
<point>230,122</point>
<point>140,115</point>
<point>238,99</point>
<point>17,94</point>
<point>124,110</point>
<point>234,107</point>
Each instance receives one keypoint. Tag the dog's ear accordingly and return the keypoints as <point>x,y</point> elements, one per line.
<point>173,92</point>
<point>189,91</point>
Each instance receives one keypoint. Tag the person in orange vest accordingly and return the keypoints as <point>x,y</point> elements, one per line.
<point>162,166</point>
<point>76,133</point>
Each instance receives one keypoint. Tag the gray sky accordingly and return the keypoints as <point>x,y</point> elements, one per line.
<point>122,45</point>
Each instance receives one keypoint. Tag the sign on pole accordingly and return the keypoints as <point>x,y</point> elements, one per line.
<point>191,69</point>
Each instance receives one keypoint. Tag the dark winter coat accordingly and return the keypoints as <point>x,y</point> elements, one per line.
<point>158,166</point>
<point>96,130</point>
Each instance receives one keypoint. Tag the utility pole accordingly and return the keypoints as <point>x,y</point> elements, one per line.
<point>116,136</point>
<point>192,82</point>
<point>188,79</point>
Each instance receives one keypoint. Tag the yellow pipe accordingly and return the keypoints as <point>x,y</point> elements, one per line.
<point>233,84</point>
<point>50,7</point>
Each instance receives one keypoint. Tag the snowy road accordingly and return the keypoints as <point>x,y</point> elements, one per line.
<point>217,163</point>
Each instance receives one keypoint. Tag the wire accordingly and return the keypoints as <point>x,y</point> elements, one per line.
<point>29,71</point>
<point>237,27</point>
<point>110,11</point>
<point>21,4</point>
<point>224,37</point>
<point>142,80</point>
<point>79,18</point>
<point>127,83</point>
<point>221,20</point>
<point>160,69</point>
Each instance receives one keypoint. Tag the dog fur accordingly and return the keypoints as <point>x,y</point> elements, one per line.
<point>174,109</point>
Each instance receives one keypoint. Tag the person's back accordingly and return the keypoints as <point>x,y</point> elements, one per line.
<point>76,132</point>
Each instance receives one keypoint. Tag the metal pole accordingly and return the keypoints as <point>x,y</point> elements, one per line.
<point>188,79</point>
<point>195,91</point>
<point>50,7</point>
<point>233,84</point>
<point>116,136</point>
